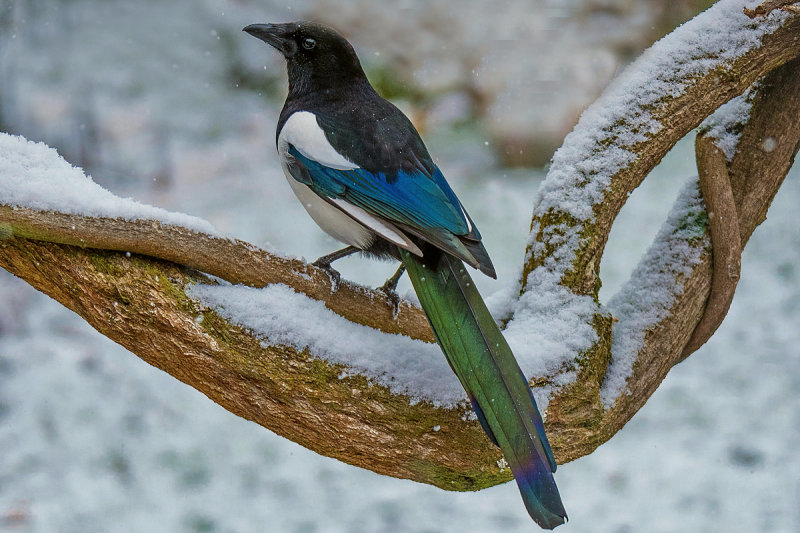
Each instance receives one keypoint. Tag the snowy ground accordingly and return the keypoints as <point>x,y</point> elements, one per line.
<point>94,440</point>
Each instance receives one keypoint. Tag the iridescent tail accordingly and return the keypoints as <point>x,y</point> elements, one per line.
<point>485,365</point>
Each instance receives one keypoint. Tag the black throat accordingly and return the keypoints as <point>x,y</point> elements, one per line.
<point>334,74</point>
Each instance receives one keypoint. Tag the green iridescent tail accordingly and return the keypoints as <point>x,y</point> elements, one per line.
<point>481,358</point>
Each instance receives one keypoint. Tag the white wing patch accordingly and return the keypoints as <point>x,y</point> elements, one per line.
<point>302,131</point>
<point>331,219</point>
<point>384,229</point>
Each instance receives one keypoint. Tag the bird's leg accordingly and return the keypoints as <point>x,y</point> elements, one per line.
<point>390,288</point>
<point>325,261</point>
<point>391,283</point>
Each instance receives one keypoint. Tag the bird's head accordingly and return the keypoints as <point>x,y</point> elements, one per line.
<point>313,52</point>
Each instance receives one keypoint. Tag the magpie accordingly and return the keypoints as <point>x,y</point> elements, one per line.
<point>361,170</point>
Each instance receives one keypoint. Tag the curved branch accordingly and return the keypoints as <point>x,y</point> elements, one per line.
<point>235,261</point>
<point>640,136</point>
<point>617,142</point>
<point>726,243</point>
<point>755,176</point>
<point>141,303</point>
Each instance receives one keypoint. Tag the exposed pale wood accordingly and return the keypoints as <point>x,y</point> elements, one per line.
<point>771,5</point>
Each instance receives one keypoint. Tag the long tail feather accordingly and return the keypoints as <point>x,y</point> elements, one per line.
<point>485,365</point>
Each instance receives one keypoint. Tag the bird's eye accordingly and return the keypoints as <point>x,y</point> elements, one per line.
<point>309,43</point>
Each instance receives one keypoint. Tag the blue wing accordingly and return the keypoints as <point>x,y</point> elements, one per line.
<point>423,206</point>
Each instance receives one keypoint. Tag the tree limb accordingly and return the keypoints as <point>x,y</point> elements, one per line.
<point>755,177</point>
<point>141,303</point>
<point>726,243</point>
<point>557,233</point>
<point>233,260</point>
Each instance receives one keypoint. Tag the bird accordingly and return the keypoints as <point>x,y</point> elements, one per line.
<point>361,170</point>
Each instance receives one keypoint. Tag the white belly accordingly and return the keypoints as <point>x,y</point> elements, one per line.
<point>333,221</point>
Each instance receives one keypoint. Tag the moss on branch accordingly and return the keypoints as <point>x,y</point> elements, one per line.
<point>141,303</point>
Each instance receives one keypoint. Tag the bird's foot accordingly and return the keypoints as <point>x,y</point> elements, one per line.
<point>390,290</point>
<point>332,273</point>
<point>393,297</point>
<point>325,261</point>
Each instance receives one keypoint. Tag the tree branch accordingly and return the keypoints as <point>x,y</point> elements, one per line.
<point>572,221</point>
<point>141,303</point>
<point>233,260</point>
<point>755,177</point>
<point>726,243</point>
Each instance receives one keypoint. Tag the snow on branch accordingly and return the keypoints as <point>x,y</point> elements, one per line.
<point>655,102</point>
<point>45,198</point>
<point>344,387</point>
<point>649,295</point>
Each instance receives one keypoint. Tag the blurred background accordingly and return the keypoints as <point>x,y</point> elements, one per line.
<point>170,103</point>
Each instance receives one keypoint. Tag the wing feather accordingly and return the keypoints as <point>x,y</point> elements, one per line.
<point>414,199</point>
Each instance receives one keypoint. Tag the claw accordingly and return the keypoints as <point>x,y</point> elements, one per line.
<point>393,297</point>
<point>389,289</point>
<point>391,283</point>
<point>325,261</point>
<point>332,273</point>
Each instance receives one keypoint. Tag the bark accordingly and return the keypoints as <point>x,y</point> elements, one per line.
<point>139,299</point>
<point>755,176</point>
<point>726,243</point>
<point>232,260</point>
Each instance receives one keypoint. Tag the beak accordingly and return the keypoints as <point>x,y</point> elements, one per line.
<point>275,35</point>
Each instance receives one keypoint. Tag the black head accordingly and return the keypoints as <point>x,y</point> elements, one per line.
<point>316,55</point>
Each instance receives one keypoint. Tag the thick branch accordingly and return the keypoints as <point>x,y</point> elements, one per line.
<point>755,174</point>
<point>579,243</point>
<point>233,260</point>
<point>141,302</point>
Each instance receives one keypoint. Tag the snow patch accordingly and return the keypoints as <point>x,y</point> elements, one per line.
<point>647,297</point>
<point>279,315</point>
<point>550,326</point>
<point>725,125</point>
<point>35,176</point>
